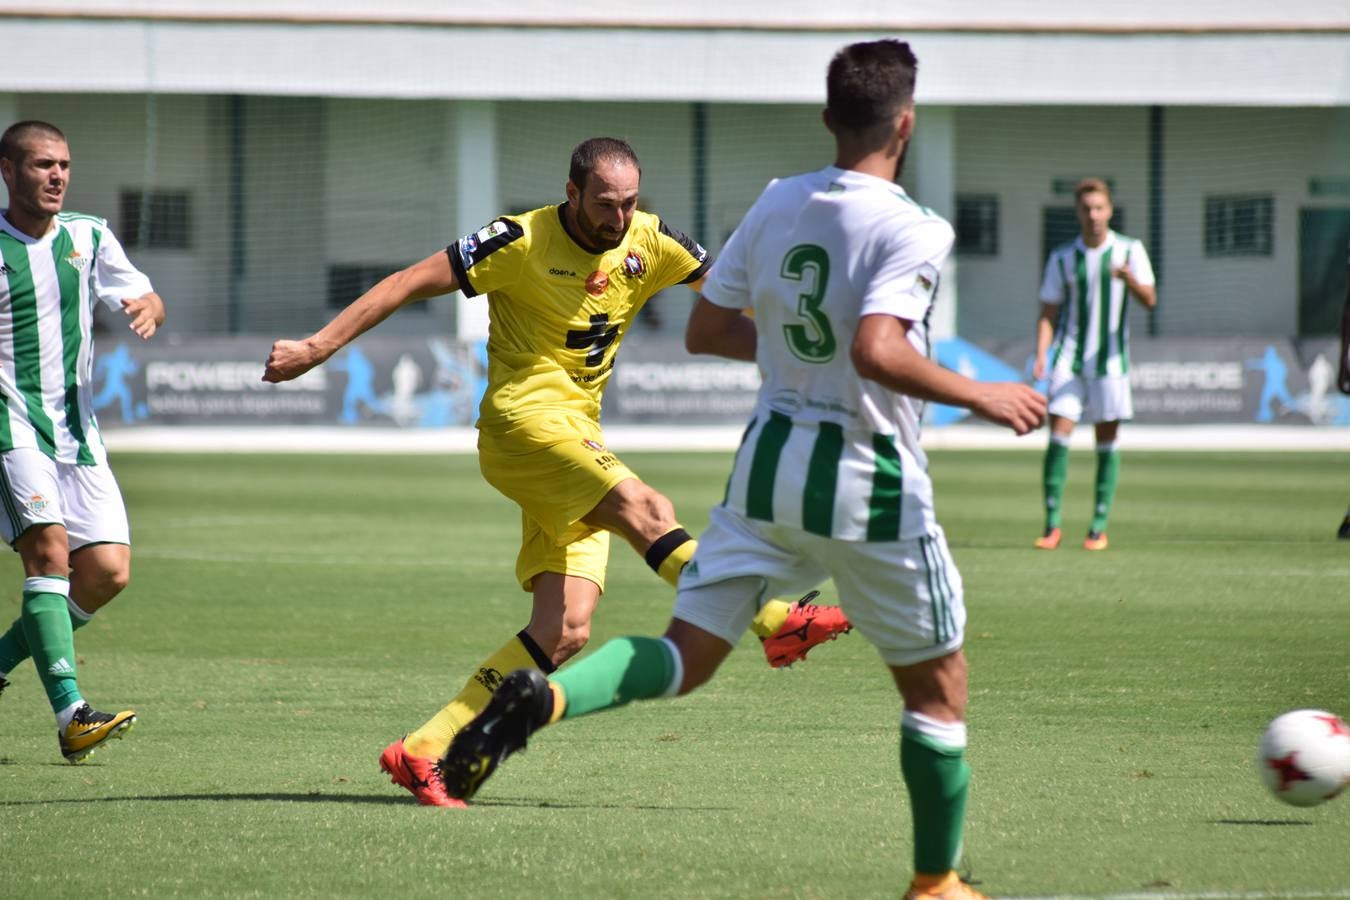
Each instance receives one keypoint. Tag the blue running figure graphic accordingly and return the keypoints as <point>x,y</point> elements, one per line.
<point>360,389</point>
<point>1275,387</point>
<point>112,370</point>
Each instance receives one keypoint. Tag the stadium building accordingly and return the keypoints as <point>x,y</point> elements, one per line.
<point>265,162</point>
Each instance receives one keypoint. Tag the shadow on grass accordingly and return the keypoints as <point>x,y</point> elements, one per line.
<point>1260,822</point>
<point>518,802</point>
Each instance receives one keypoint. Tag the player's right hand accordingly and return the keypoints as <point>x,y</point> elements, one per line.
<point>1038,368</point>
<point>288,360</point>
<point>1016,405</point>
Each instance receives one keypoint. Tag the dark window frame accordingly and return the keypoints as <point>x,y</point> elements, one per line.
<point>347,281</point>
<point>977,224</point>
<point>168,214</point>
<point>1239,225</point>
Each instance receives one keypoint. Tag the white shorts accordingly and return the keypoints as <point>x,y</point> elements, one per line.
<point>1081,399</point>
<point>903,596</point>
<point>37,490</point>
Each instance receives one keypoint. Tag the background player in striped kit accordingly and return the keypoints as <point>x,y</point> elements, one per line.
<point>63,511</point>
<point>1084,298</point>
<point>840,268</point>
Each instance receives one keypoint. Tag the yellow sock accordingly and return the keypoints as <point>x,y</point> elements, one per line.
<point>433,738</point>
<point>770,618</point>
<point>669,553</point>
<point>559,703</point>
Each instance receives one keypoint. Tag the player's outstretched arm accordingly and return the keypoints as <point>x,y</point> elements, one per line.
<point>721,331</point>
<point>1045,334</point>
<point>429,278</point>
<point>881,352</point>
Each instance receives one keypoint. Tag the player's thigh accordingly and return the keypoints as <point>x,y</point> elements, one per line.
<point>30,492</point>
<point>1109,399</point>
<point>557,474</point>
<point>94,509</point>
<point>1066,395</point>
<point>905,597</point>
<point>584,557</point>
<point>739,564</point>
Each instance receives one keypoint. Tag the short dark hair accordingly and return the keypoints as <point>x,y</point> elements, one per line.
<point>1091,186</point>
<point>869,82</point>
<point>16,135</point>
<point>590,153</point>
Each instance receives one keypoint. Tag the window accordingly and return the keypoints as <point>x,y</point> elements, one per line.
<point>977,224</point>
<point>347,282</point>
<point>1239,225</point>
<point>156,220</point>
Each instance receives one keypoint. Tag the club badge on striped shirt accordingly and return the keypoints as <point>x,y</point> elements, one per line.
<point>77,261</point>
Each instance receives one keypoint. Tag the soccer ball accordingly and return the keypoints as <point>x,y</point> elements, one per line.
<point>1304,757</point>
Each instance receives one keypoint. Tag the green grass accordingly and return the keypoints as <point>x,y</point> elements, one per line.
<point>289,616</point>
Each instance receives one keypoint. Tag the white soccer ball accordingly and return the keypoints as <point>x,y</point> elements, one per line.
<point>1305,756</point>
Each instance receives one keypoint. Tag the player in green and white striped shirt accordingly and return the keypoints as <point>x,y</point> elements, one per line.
<point>1087,288</point>
<point>62,510</point>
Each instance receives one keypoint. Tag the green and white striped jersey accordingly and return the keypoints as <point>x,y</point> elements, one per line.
<point>48,287</point>
<point>828,451</point>
<point>1092,337</point>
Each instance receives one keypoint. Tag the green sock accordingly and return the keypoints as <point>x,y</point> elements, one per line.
<point>46,626</point>
<point>1108,472</point>
<point>1054,474</point>
<point>14,645</point>
<point>938,780</point>
<point>624,669</point>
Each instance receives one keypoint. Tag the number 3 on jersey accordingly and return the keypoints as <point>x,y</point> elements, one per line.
<point>809,266</point>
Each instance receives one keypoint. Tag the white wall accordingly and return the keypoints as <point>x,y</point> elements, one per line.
<point>113,149</point>
<point>1244,151</point>
<point>1017,153</point>
<point>1051,14</point>
<point>365,181</point>
<point>753,60</point>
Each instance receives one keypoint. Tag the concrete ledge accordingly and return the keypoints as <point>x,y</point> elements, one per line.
<point>718,438</point>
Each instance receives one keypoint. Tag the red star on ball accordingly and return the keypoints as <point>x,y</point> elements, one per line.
<point>1336,724</point>
<point>1288,769</point>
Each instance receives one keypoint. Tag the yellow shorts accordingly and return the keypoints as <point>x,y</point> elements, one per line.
<point>556,468</point>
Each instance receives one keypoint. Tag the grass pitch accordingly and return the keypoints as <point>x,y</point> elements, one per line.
<point>291,615</point>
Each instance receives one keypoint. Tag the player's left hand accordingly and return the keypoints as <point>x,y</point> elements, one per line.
<point>147,314</point>
<point>1123,273</point>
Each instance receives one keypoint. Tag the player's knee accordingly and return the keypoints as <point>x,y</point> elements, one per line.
<point>572,642</point>
<point>116,581</point>
<point>44,550</point>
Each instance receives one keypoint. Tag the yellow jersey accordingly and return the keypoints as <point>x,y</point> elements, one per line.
<point>557,312</point>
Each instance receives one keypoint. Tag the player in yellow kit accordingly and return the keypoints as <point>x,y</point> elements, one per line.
<point>563,285</point>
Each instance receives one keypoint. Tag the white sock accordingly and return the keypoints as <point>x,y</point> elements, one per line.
<point>948,734</point>
<point>64,716</point>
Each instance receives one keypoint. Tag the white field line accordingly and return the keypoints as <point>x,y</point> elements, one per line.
<point>1200,895</point>
<point>717,438</point>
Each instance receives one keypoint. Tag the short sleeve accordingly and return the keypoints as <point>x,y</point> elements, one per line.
<point>1140,265</point>
<point>1053,282</point>
<point>728,282</point>
<point>680,259</point>
<point>490,258</point>
<point>905,281</point>
<point>115,279</point>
